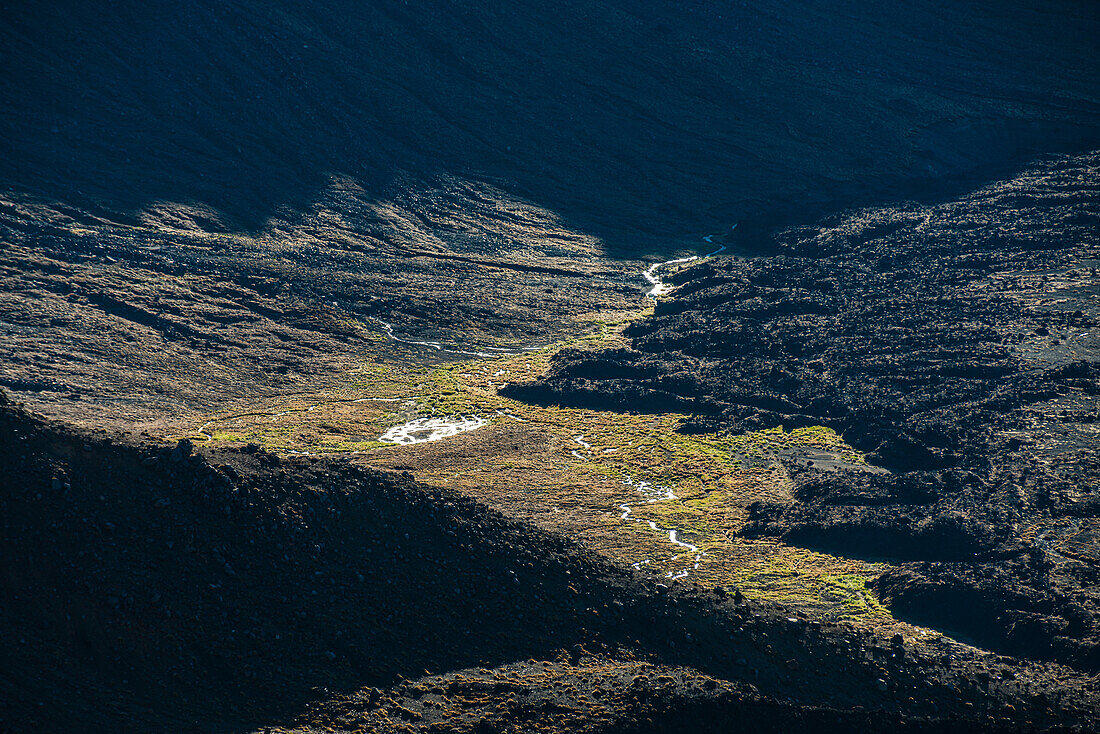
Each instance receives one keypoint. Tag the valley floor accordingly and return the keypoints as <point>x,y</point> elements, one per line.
<point>530,406</point>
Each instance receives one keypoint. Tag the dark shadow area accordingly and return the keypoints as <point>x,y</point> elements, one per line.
<point>722,716</point>
<point>150,587</point>
<point>239,592</point>
<point>629,120</point>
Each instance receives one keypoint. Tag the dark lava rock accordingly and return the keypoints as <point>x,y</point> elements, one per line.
<point>921,333</point>
<point>208,604</point>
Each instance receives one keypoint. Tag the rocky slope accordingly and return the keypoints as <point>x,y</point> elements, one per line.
<point>206,203</point>
<point>957,344</point>
<point>209,204</point>
<point>152,587</point>
<point>103,320</point>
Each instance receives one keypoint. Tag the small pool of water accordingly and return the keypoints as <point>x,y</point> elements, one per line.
<point>422,430</point>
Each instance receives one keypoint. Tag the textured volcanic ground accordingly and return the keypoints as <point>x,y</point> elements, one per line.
<point>152,588</point>
<point>209,205</point>
<point>206,202</point>
<point>104,319</point>
<point>957,344</point>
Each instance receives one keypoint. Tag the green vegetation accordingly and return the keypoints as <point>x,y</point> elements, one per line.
<point>836,596</point>
<point>714,476</point>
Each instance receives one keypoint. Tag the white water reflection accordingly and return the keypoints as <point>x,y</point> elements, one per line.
<point>422,430</point>
<point>438,346</point>
<point>660,288</point>
<point>659,493</point>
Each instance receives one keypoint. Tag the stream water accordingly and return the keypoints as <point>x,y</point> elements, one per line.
<point>652,493</point>
<point>422,430</point>
<point>425,429</point>
<point>438,346</point>
<point>659,288</point>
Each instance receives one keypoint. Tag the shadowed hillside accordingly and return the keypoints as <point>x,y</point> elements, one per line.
<point>205,202</point>
<point>314,226</point>
<point>626,118</point>
<point>157,588</point>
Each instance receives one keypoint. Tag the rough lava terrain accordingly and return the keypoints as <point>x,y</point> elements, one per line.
<point>957,345</point>
<point>361,368</point>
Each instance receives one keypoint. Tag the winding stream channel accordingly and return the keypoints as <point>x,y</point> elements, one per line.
<point>659,288</point>
<point>438,346</point>
<point>659,493</point>
<point>430,428</point>
<point>424,429</point>
<point>421,430</point>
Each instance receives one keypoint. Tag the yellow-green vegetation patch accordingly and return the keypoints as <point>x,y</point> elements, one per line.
<point>591,454</point>
<point>838,596</point>
<point>367,331</point>
<point>834,588</point>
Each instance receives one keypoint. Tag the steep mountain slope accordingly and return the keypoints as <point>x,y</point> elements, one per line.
<point>207,205</point>
<point>210,202</point>
<point>624,118</point>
